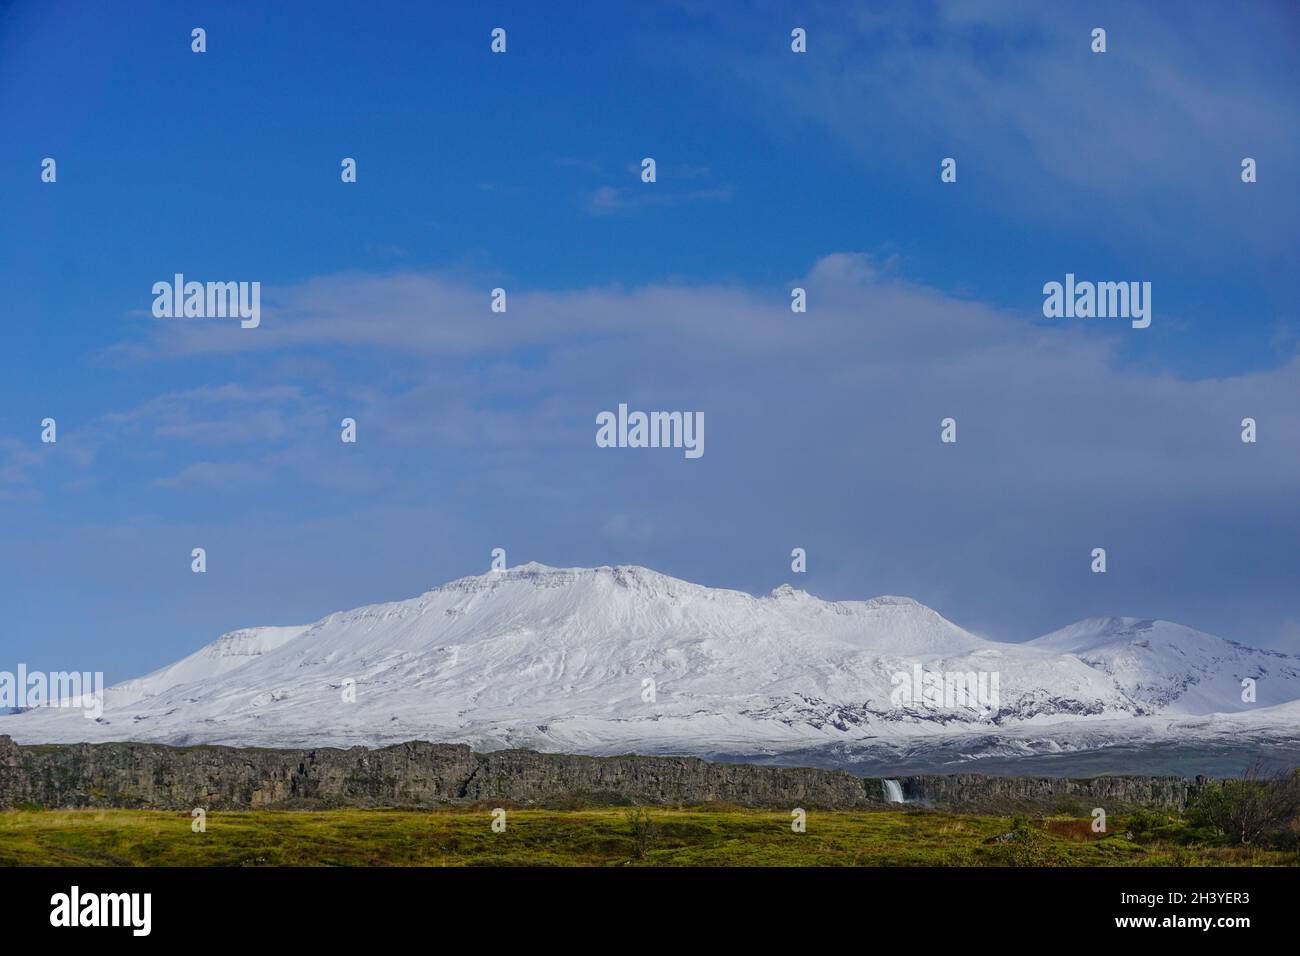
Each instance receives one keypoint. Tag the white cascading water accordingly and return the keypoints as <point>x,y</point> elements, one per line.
<point>893,791</point>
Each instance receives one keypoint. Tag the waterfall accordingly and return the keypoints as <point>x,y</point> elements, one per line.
<point>893,791</point>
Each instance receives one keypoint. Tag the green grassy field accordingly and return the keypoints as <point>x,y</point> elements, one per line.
<point>596,837</point>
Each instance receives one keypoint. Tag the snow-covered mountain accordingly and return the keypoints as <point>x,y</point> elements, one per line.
<point>624,659</point>
<point>1174,669</point>
<point>226,653</point>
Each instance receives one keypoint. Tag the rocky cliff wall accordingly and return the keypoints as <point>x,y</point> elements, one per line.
<point>419,774</point>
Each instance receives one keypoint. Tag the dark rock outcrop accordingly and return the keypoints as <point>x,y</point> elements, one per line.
<point>1004,794</point>
<point>419,774</point>
<point>414,774</point>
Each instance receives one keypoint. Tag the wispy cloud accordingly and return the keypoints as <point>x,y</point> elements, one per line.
<point>608,200</point>
<point>216,474</point>
<point>1047,130</point>
<point>826,423</point>
<point>18,461</point>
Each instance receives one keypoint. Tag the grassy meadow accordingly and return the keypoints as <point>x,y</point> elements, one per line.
<point>703,836</point>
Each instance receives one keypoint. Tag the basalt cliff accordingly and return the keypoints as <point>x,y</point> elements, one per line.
<point>417,774</point>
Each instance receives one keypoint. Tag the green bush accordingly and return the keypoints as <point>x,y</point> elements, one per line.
<point>1026,845</point>
<point>1254,809</point>
<point>644,830</point>
<point>1147,825</point>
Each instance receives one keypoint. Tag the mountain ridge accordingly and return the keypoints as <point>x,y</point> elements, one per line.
<point>624,658</point>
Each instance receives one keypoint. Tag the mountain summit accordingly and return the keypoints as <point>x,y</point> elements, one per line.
<point>1175,669</point>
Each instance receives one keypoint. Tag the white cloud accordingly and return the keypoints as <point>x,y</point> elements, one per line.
<point>823,431</point>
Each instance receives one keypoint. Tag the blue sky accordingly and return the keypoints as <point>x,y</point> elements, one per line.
<point>521,171</point>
